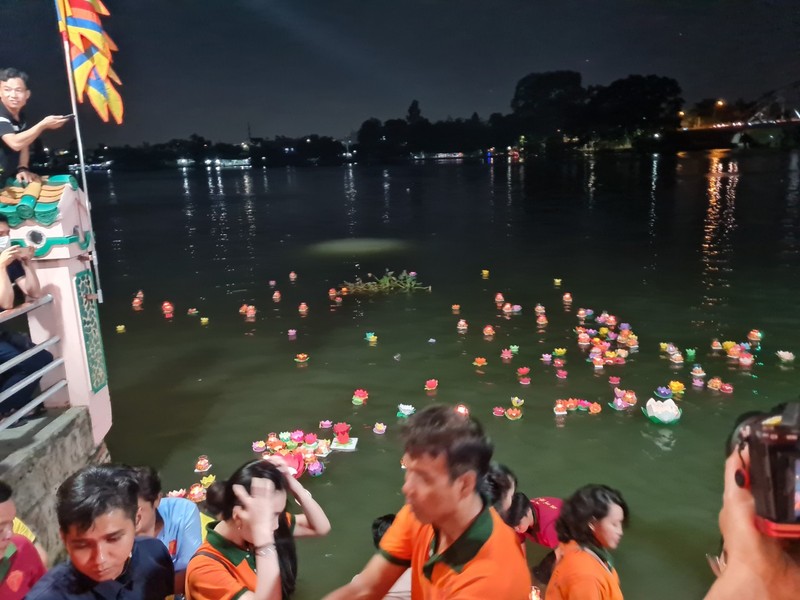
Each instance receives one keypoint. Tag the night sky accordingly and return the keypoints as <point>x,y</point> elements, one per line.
<point>324,66</point>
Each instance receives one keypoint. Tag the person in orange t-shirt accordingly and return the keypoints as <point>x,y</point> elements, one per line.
<point>591,524</point>
<point>457,547</point>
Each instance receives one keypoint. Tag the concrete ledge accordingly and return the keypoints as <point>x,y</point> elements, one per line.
<point>38,457</point>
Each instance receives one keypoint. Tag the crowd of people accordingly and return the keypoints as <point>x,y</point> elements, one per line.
<point>460,535</point>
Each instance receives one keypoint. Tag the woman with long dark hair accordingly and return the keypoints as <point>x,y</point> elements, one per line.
<point>590,525</point>
<point>250,554</point>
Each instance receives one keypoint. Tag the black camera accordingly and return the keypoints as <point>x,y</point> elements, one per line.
<point>774,475</point>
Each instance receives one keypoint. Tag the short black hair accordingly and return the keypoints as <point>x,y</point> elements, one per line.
<point>439,429</point>
<point>149,483</point>
<point>587,505</point>
<point>496,483</point>
<point>94,491</point>
<point>5,492</point>
<point>520,505</point>
<point>3,218</point>
<point>380,526</point>
<point>12,73</point>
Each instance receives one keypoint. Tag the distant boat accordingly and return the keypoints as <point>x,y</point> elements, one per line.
<point>102,166</point>
<point>228,163</point>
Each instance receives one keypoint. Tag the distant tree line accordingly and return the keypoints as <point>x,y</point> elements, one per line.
<point>549,111</point>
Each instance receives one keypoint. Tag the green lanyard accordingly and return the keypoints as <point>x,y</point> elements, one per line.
<point>5,562</point>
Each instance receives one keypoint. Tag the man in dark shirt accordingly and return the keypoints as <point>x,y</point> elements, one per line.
<point>96,510</point>
<point>15,136</point>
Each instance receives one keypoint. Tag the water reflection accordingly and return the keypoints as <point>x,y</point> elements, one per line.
<point>662,437</point>
<point>188,213</point>
<point>791,221</point>
<point>716,248</point>
<point>387,187</point>
<point>350,193</point>
<point>591,181</point>
<point>652,218</point>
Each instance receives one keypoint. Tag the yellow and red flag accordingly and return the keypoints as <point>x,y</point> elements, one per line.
<point>90,49</point>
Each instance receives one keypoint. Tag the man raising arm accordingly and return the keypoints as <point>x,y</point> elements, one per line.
<point>15,136</point>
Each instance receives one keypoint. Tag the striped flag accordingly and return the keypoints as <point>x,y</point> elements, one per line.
<point>90,49</point>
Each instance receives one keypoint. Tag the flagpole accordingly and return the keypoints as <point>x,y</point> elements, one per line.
<point>61,14</point>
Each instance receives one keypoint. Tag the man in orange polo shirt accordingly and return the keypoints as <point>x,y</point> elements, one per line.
<point>458,548</point>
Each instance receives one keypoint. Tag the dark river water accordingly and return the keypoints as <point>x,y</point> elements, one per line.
<point>685,248</point>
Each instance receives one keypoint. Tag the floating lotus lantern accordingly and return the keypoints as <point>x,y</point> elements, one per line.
<point>785,356</point>
<point>303,308</point>
<point>513,414</point>
<point>326,424</point>
<point>559,352</point>
<point>196,493</point>
<point>250,313</point>
<point>168,309</point>
<point>697,371</point>
<point>541,320</point>
<point>192,312</point>
<point>207,480</point>
<point>560,408</point>
<point>514,349</point>
<point>525,380</point>
<point>561,374</point>
<point>595,408</point>
<point>120,328</point>
<point>523,371</point>
<point>663,392</point>
<point>136,304</point>
<point>567,298</point>
<point>677,387</point>
<point>259,446</point>
<point>539,309</point>
<point>516,309</point>
<point>332,293</point>
<point>613,380</point>
<point>507,308</point>
<point>202,464</point>
<point>431,385</point>
<point>276,297</point>
<point>517,402</point>
<point>462,410</point>
<point>370,336</point>
<point>697,382</point>
<point>556,282</point>
<point>203,321</point>
<point>715,344</point>
<point>292,334</point>
<point>755,336</point>
<point>360,397</point>
<point>485,273</point>
<point>181,493</point>
<point>462,325</point>
<point>488,331</point>
<point>301,358</point>
<point>498,298</point>
<point>379,429</point>
<point>662,413</point>
<point>342,432</point>
<point>506,354</point>
<point>292,276</point>
<point>479,361</point>
<point>315,469</point>
<point>714,383</point>
<point>405,410</point>
<point>726,388</point>
<point>498,411</point>
<point>558,362</point>
<point>456,308</point>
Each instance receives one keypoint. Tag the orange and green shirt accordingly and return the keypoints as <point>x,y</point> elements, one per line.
<point>580,575</point>
<point>485,562</point>
<point>227,575</point>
